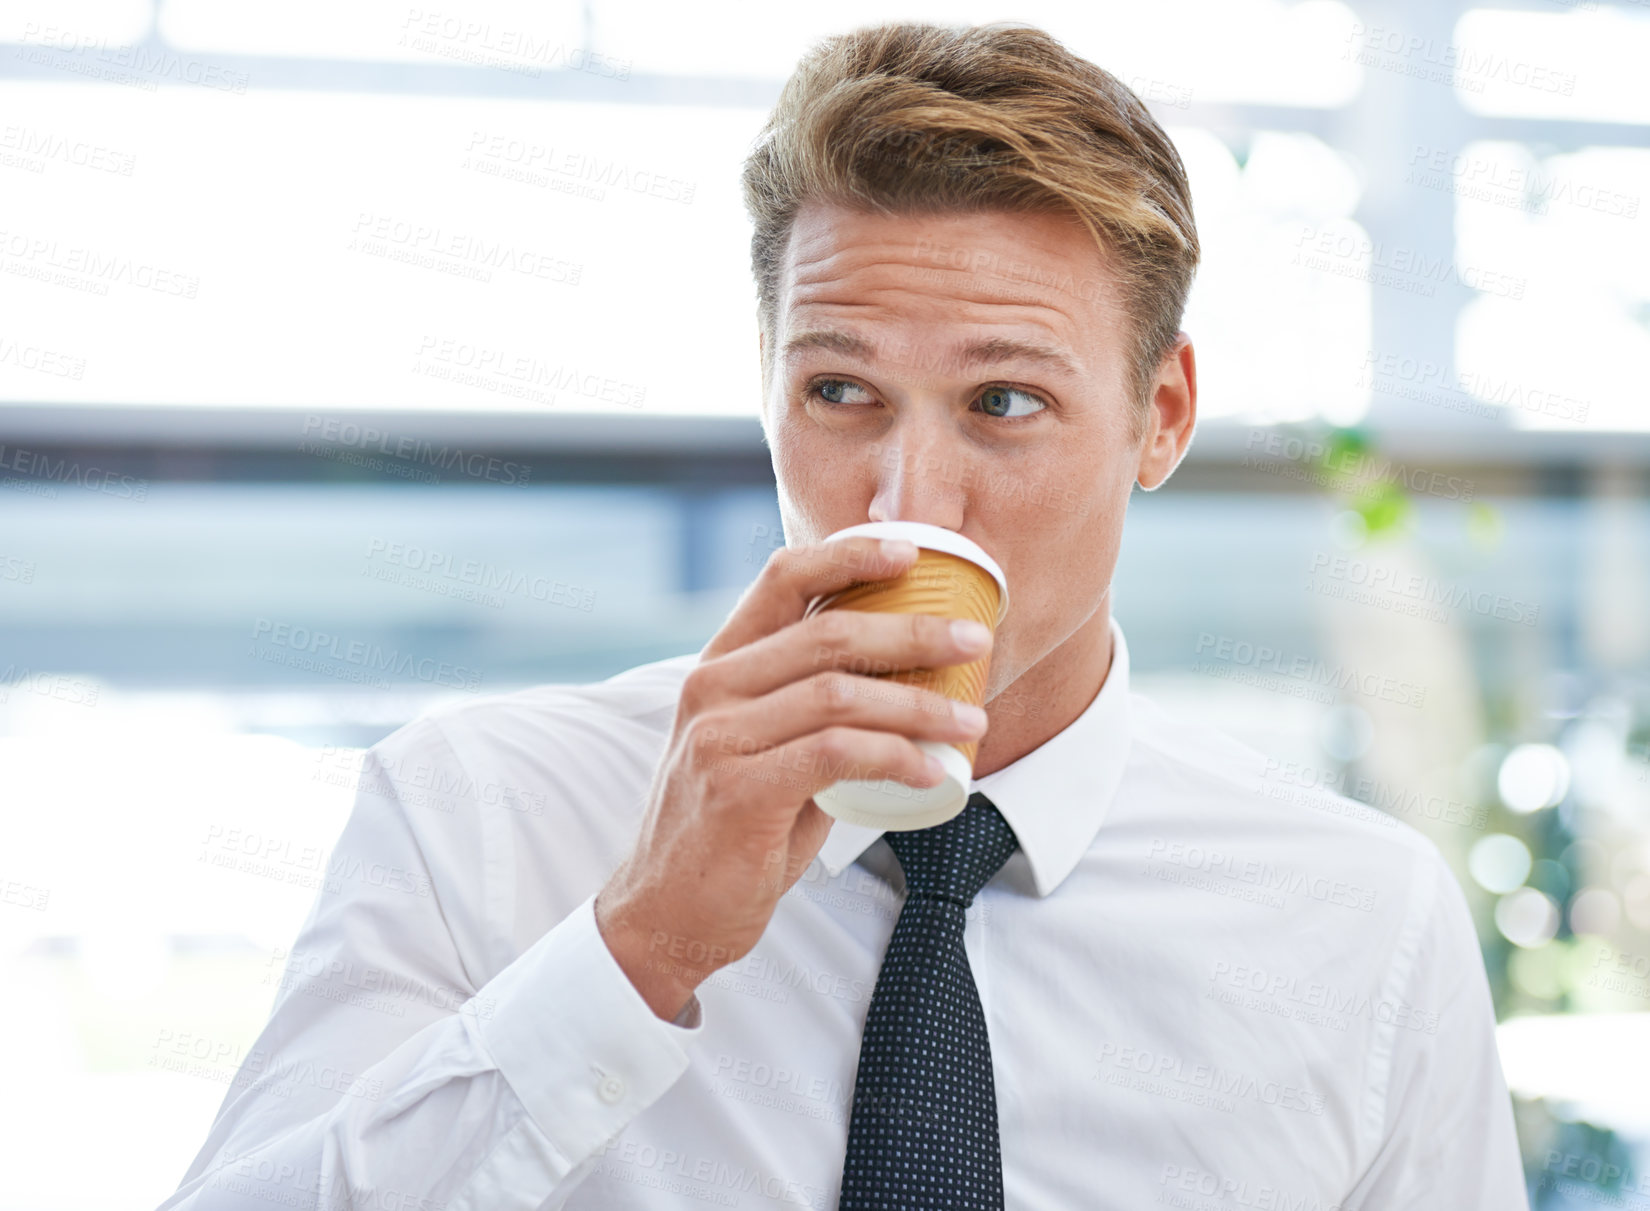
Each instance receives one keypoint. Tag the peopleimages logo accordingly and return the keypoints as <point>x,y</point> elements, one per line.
<point>1182,1182</point>
<point>34,148</point>
<point>1171,1071</point>
<point>1601,1172</point>
<point>75,691</point>
<point>1500,179</point>
<point>39,360</point>
<point>1475,392</point>
<point>1464,67</point>
<point>470,41</point>
<point>43,472</point>
<point>1627,973</point>
<point>469,255</point>
<point>517,374</point>
<point>1350,254</point>
<point>88,269</point>
<point>150,64</point>
<point>1290,993</point>
<point>370,658</point>
<point>472,579</point>
<point>354,439</point>
<point>1383,799</point>
<point>1300,676</point>
<point>1358,464</point>
<point>1381,579</point>
<point>1262,874</point>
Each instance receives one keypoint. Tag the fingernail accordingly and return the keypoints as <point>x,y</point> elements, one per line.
<point>970,635</point>
<point>935,769</point>
<point>968,714</point>
<point>897,549</point>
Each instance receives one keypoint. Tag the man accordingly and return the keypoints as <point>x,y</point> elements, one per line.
<point>630,963</point>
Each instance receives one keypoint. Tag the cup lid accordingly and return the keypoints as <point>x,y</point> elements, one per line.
<point>934,538</point>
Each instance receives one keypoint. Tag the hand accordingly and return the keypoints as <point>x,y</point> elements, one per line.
<point>771,715</point>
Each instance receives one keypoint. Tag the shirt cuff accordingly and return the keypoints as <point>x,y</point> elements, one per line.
<point>582,1049</point>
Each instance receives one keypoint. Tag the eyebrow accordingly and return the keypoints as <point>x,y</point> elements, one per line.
<point>981,353</point>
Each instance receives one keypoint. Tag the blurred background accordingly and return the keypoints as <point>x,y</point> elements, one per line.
<point>356,357</point>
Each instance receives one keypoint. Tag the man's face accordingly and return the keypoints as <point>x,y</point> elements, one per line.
<point>968,370</point>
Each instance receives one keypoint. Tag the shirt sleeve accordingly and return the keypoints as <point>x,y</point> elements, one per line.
<point>1447,1139</point>
<point>385,1077</point>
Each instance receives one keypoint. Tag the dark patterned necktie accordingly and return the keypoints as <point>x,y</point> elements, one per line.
<point>923,1131</point>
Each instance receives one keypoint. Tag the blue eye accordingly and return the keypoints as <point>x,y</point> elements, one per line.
<point>1006,403</point>
<point>836,390</point>
<point>997,401</point>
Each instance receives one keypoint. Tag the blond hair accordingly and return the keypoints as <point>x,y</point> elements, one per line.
<point>909,117</point>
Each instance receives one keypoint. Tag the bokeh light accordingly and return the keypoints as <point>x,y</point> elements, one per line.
<point>1533,776</point>
<point>1595,910</point>
<point>1499,862</point>
<point>1527,917</point>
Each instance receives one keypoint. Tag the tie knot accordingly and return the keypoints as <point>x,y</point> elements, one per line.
<point>952,861</point>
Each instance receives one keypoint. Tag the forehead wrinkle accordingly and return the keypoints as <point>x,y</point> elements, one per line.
<point>903,287</point>
<point>919,286</point>
<point>987,288</point>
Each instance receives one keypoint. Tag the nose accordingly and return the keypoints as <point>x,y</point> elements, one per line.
<point>921,475</point>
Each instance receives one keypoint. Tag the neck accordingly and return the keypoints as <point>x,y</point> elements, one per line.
<point>1047,697</point>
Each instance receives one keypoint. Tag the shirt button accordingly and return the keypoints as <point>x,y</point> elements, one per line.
<point>611,1089</point>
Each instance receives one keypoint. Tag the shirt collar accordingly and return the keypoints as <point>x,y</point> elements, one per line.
<point>1055,797</point>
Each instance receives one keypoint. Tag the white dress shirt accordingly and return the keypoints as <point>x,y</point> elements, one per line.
<point>1205,988</point>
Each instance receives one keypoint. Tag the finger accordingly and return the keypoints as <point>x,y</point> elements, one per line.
<point>809,764</point>
<point>837,698</point>
<point>794,576</point>
<point>807,837</point>
<point>854,641</point>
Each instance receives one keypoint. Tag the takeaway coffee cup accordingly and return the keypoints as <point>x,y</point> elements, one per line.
<point>951,577</point>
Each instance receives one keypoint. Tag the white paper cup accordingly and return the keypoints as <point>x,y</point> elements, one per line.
<point>957,582</point>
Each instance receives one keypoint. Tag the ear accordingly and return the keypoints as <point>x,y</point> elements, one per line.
<point>1170,417</point>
